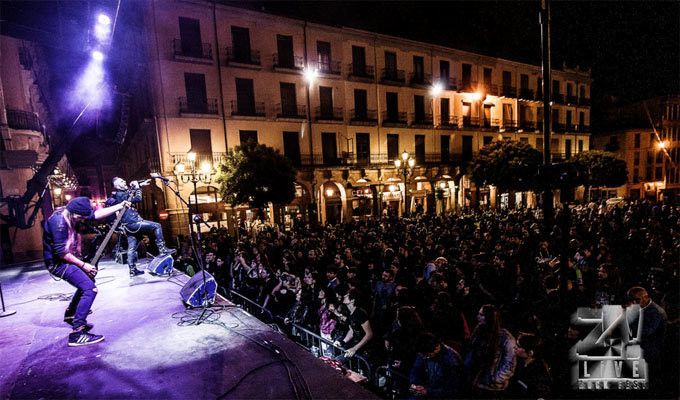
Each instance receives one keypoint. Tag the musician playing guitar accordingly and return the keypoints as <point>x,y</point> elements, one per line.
<point>133,223</point>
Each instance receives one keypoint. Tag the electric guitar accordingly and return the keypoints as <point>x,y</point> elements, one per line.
<point>100,250</point>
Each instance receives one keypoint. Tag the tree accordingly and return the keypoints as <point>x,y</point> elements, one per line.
<point>506,164</point>
<point>600,168</point>
<point>256,174</point>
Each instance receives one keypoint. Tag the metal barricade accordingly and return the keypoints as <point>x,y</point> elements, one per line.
<point>391,383</point>
<point>257,310</point>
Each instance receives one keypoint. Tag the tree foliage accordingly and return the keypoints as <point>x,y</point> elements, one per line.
<point>507,164</point>
<point>256,174</point>
<point>601,168</point>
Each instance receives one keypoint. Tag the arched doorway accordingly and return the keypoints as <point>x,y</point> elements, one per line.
<point>209,204</point>
<point>333,202</point>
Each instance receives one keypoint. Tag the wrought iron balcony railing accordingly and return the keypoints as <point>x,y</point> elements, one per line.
<point>215,158</point>
<point>193,50</point>
<point>571,99</point>
<point>527,125</point>
<point>510,125</point>
<point>470,122</point>
<point>205,106</point>
<point>420,79</point>
<point>240,56</point>
<point>421,119</point>
<point>328,67</point>
<point>294,111</point>
<point>527,94</point>
<point>363,116</point>
<point>509,91</point>
<point>394,118</point>
<point>328,114</point>
<point>358,71</point>
<point>18,119</point>
<point>254,109</point>
<point>393,75</point>
<point>584,101</point>
<point>447,122</point>
<point>287,62</point>
<point>558,98</point>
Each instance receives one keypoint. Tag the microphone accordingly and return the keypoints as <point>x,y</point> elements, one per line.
<point>156,175</point>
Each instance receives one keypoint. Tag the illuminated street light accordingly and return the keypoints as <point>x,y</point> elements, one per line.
<point>180,168</point>
<point>206,167</point>
<point>436,89</point>
<point>191,156</point>
<point>310,75</point>
<point>476,96</point>
<point>662,145</point>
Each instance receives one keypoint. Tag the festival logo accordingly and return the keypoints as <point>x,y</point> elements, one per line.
<point>609,357</point>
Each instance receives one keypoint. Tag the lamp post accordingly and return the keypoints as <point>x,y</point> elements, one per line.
<point>405,165</point>
<point>203,174</point>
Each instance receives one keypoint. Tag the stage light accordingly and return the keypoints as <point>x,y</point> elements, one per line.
<point>102,32</point>
<point>97,55</point>
<point>104,19</point>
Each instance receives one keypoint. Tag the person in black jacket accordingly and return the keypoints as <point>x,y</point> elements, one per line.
<point>532,375</point>
<point>60,243</point>
<point>133,223</point>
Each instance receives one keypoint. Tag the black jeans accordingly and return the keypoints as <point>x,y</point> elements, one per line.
<point>139,228</point>
<point>84,296</point>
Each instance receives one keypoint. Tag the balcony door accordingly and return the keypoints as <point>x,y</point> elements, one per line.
<point>392,103</point>
<point>326,100</point>
<point>418,68</point>
<point>190,37</point>
<point>358,60</point>
<point>445,111</point>
<point>391,63</point>
<point>445,148</point>
<point>288,100</point>
<point>201,144</point>
<point>419,108</point>
<point>363,148</point>
<point>420,149</point>
<point>284,47</point>
<point>323,50</point>
<point>240,39</point>
<point>466,77</point>
<point>329,147</point>
<point>392,146</point>
<point>508,116</point>
<point>245,96</point>
<point>291,147</point>
<point>467,148</point>
<point>360,104</point>
<point>197,100</point>
<point>444,72</point>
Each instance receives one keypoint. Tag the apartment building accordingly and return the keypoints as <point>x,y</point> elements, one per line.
<point>26,127</point>
<point>342,104</point>
<point>646,134</point>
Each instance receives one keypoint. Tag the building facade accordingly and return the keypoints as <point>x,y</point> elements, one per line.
<point>342,104</point>
<point>26,130</point>
<point>646,134</point>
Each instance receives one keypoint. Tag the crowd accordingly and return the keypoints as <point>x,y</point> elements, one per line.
<point>477,303</point>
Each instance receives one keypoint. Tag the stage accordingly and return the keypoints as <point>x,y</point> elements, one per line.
<point>146,353</point>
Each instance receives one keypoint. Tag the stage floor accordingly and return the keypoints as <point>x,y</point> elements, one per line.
<point>146,354</point>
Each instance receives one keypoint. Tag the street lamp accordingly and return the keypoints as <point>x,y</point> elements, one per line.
<point>193,175</point>
<point>405,165</point>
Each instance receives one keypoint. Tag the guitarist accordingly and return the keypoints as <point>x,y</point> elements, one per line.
<point>133,223</point>
<point>60,243</point>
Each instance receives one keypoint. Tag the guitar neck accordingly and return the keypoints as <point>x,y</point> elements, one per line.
<point>102,246</point>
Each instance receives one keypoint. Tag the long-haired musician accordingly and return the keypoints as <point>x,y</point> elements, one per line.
<point>60,243</point>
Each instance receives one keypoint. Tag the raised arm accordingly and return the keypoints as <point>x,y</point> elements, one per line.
<point>105,212</point>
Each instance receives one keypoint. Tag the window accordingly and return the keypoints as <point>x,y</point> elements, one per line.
<point>291,147</point>
<point>358,61</point>
<point>507,78</point>
<point>580,146</point>
<point>524,140</point>
<point>581,120</point>
<point>360,104</point>
<point>418,69</point>
<point>570,89</point>
<point>391,63</point>
<point>658,174</point>
<point>467,148</point>
<point>284,46</point>
<point>568,120</point>
<point>329,148</point>
<point>392,146</point>
<point>288,100</point>
<point>487,77</point>
<point>392,102</point>
<point>556,87</point>
<point>201,143</point>
<point>637,140</point>
<point>445,148</point>
<point>445,112</point>
<point>190,37</point>
<point>539,144</point>
<point>524,81</point>
<point>240,39</point>
<point>197,101</point>
<point>567,149</point>
<point>419,107</point>
<point>245,97</point>
<point>466,77</point>
<point>326,102</point>
<point>247,137</point>
<point>444,71</point>
<point>420,149</point>
<point>323,50</point>
<point>636,175</point>
<point>363,148</point>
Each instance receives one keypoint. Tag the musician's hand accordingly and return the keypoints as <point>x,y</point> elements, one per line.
<point>90,270</point>
<point>126,204</point>
<point>145,182</point>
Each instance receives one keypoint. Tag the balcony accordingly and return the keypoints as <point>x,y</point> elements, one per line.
<point>558,98</point>
<point>492,124</point>
<point>448,83</point>
<point>467,86</point>
<point>328,67</point>
<point>528,126</point>
<point>510,125</point>
<point>571,99</point>
<point>183,50</point>
<point>583,101</point>
<point>17,119</point>
<point>393,76</point>
<point>526,94</point>
<point>421,120</point>
<point>255,109</point>
<point>509,91</point>
<point>447,122</point>
<point>240,57</point>
<point>213,158</point>
<point>287,62</point>
<point>362,73</point>
<point>579,128</point>
<point>559,128</point>
<point>420,79</point>
<point>206,106</point>
<point>394,119</point>
<point>470,122</point>
<point>291,112</point>
<point>363,117</point>
<point>328,114</point>
<point>490,88</point>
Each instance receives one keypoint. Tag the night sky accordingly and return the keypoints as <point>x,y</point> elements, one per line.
<point>633,48</point>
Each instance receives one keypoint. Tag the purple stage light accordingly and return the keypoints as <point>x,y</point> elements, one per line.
<point>97,55</point>
<point>104,19</point>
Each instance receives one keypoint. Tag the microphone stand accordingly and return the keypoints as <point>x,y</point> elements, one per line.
<point>5,312</point>
<point>196,219</point>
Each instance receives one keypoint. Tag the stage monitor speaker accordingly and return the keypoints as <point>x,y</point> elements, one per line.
<point>161,265</point>
<point>195,294</point>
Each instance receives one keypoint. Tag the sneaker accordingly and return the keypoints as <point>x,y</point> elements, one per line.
<point>81,338</point>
